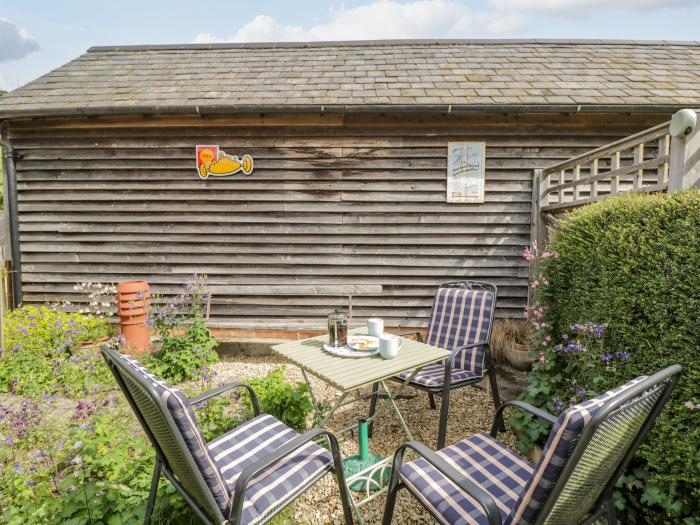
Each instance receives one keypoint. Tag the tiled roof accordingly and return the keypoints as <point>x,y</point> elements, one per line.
<point>386,75</point>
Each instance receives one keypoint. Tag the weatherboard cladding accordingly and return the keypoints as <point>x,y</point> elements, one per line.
<point>334,200</point>
<point>346,75</point>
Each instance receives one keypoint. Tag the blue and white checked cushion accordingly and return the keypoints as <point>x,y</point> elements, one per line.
<point>560,445</point>
<point>482,460</point>
<point>434,375</point>
<point>280,483</point>
<point>460,317</point>
<point>185,420</point>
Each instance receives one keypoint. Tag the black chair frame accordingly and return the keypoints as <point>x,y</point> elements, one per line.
<point>665,379</point>
<point>209,511</point>
<point>448,385</point>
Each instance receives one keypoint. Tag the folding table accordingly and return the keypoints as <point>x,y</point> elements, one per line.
<point>347,374</point>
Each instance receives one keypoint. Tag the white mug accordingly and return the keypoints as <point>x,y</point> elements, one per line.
<point>375,327</point>
<point>388,345</point>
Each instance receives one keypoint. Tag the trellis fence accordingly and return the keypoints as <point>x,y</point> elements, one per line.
<point>650,161</point>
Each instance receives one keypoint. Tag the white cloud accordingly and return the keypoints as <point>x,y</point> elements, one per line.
<point>383,19</point>
<point>568,8</point>
<point>15,42</point>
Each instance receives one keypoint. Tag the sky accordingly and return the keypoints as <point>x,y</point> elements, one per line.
<point>38,36</point>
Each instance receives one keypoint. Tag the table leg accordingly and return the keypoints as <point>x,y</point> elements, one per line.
<point>391,400</point>
<point>319,417</point>
<point>372,407</point>
<point>330,412</point>
<point>391,397</point>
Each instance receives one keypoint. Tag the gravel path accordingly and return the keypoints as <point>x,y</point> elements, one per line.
<point>471,411</point>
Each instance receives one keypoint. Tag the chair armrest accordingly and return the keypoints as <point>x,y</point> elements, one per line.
<point>225,388</point>
<point>418,335</point>
<point>450,360</point>
<point>264,463</point>
<point>542,414</point>
<point>480,495</point>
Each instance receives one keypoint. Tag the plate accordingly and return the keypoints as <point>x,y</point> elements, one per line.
<point>363,343</point>
<point>345,351</point>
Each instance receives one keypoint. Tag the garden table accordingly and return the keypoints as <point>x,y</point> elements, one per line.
<point>346,375</point>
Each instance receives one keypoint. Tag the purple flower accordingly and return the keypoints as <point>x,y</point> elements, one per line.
<point>558,405</point>
<point>582,392</point>
<point>17,468</point>
<point>606,358</point>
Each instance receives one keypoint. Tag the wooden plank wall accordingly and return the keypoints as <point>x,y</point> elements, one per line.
<point>354,199</point>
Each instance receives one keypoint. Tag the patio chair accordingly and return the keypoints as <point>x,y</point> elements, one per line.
<point>480,480</point>
<point>247,475</point>
<point>460,320</point>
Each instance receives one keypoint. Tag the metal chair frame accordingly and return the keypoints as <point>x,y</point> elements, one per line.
<point>448,385</point>
<point>665,379</point>
<point>210,513</point>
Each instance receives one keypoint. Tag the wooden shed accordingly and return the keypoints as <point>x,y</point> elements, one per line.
<point>349,186</point>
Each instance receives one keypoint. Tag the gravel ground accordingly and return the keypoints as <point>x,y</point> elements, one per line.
<point>471,411</point>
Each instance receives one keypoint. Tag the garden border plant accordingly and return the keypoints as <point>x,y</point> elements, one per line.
<point>617,297</point>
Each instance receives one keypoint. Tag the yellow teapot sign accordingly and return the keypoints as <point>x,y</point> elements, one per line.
<point>212,161</point>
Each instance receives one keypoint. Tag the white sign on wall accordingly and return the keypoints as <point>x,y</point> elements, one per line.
<point>465,171</point>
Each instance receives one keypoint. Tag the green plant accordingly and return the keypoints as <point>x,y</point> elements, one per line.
<point>97,469</point>
<point>631,264</point>
<point>188,355</point>
<point>289,403</point>
<point>43,353</point>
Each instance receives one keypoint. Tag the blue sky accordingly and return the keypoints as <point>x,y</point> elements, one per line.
<point>37,36</point>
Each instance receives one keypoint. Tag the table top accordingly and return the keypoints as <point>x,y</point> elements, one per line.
<point>349,373</point>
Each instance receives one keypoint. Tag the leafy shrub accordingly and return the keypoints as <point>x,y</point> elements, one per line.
<point>97,470</point>
<point>43,353</point>
<point>215,417</point>
<point>289,403</point>
<point>631,264</point>
<point>188,355</point>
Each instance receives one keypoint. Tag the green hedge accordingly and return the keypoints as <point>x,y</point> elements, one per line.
<point>633,264</point>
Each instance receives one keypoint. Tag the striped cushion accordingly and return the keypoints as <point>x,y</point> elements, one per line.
<point>482,460</point>
<point>434,375</point>
<point>560,445</point>
<point>280,483</point>
<point>460,317</point>
<point>179,407</point>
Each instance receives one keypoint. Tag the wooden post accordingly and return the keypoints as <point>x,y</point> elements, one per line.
<point>684,167</point>
<point>594,183</point>
<point>577,186</point>
<point>615,179</point>
<point>664,149</point>
<point>538,228</point>
<point>638,159</point>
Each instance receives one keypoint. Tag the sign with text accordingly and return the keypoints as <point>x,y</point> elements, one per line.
<point>465,172</point>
